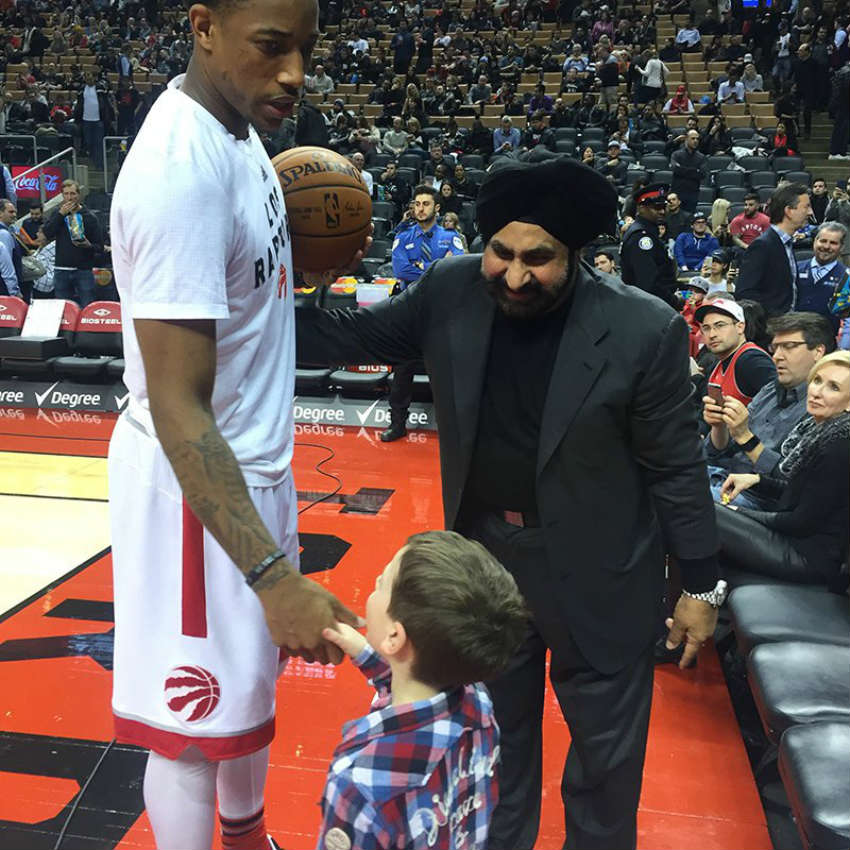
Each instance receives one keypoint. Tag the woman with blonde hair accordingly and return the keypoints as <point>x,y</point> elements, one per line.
<point>719,222</point>
<point>806,538</point>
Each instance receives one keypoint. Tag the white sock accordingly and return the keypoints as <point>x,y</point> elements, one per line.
<point>180,800</point>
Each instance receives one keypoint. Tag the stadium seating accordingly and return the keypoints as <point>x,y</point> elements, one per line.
<point>797,682</point>
<point>97,343</point>
<point>767,613</point>
<point>813,767</point>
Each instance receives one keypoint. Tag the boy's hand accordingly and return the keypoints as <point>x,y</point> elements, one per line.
<point>349,640</point>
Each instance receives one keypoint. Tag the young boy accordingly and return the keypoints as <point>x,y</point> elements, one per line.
<point>420,769</point>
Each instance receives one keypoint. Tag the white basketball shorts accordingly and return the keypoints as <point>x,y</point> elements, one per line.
<point>194,662</point>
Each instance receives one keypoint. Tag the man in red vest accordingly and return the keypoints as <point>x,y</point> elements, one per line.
<point>744,368</point>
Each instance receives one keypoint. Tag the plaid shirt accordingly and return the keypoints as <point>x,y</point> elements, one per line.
<point>420,775</point>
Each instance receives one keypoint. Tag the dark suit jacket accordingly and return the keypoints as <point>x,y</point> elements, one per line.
<point>765,275</point>
<point>619,463</point>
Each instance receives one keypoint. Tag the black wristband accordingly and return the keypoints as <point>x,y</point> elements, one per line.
<point>262,568</point>
<point>750,444</point>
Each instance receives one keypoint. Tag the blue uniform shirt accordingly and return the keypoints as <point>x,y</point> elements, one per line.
<point>409,263</point>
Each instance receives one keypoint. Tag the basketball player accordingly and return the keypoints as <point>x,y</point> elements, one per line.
<point>203,506</point>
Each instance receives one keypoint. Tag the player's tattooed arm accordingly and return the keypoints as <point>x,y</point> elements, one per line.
<point>180,360</point>
<point>180,366</point>
<point>215,489</point>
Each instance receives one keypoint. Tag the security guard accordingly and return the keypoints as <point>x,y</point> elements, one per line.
<point>643,256</point>
<point>415,248</point>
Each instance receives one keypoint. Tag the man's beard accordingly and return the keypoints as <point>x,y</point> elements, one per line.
<point>536,299</point>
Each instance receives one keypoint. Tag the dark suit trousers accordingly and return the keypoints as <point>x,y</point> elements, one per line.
<point>401,391</point>
<point>608,716</point>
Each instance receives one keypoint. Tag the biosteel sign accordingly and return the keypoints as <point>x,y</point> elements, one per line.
<point>27,187</point>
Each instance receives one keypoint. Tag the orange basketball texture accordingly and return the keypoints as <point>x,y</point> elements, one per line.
<point>328,206</point>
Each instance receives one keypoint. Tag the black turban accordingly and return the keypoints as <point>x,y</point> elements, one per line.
<point>572,202</point>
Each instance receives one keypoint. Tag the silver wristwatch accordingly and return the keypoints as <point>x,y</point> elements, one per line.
<point>715,597</point>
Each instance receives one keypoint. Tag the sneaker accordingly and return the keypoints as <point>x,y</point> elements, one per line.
<point>838,156</point>
<point>273,845</point>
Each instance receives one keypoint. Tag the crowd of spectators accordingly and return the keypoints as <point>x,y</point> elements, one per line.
<point>444,94</point>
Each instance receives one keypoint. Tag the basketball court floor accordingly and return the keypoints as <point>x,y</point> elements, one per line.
<point>56,654</point>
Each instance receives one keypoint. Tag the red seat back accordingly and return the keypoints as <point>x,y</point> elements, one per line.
<point>13,311</point>
<point>99,329</point>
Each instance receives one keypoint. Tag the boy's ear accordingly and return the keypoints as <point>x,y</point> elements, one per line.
<point>394,641</point>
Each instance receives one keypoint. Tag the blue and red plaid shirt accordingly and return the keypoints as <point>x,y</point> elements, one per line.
<point>420,775</point>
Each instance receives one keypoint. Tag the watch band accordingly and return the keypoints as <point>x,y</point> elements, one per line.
<point>261,569</point>
<point>714,597</point>
<point>750,444</point>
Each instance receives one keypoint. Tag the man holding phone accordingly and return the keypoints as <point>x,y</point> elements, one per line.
<point>79,239</point>
<point>744,368</point>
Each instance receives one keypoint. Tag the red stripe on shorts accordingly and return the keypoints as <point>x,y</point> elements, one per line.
<point>194,589</point>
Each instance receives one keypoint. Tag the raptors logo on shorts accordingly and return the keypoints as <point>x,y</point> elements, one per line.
<point>192,693</point>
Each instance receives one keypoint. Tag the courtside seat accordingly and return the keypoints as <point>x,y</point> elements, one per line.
<point>34,359</point>
<point>765,613</point>
<point>13,311</point>
<point>312,381</point>
<point>115,369</point>
<point>360,381</point>
<point>421,387</point>
<point>799,682</point>
<point>97,343</point>
<point>813,767</point>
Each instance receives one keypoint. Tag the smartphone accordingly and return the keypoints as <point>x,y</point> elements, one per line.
<point>715,393</point>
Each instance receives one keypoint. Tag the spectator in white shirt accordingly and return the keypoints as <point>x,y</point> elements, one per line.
<point>395,139</point>
<point>653,76</point>
<point>731,90</point>
<point>751,79</point>
<point>688,39</point>
<point>359,162</point>
<point>42,287</point>
<point>359,44</point>
<point>320,82</point>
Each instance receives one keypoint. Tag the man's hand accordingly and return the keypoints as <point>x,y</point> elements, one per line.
<point>67,207</point>
<point>712,413</point>
<point>297,611</point>
<point>693,621</point>
<point>349,640</point>
<point>737,419</point>
<point>328,277</point>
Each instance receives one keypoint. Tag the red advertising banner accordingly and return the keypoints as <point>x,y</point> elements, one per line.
<point>27,187</point>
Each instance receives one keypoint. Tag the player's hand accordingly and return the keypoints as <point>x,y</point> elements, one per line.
<point>694,622</point>
<point>298,610</point>
<point>328,277</point>
<point>712,413</point>
<point>736,417</point>
<point>349,640</point>
<point>736,483</point>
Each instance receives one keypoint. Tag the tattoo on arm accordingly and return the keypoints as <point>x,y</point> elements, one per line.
<point>215,489</point>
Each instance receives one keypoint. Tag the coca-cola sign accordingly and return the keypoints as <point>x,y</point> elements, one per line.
<point>27,187</point>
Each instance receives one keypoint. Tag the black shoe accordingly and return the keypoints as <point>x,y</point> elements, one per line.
<point>394,432</point>
<point>663,655</point>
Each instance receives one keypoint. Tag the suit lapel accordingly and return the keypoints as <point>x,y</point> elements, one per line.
<point>469,337</point>
<point>577,366</point>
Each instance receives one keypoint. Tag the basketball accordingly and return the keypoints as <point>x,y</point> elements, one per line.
<point>328,206</point>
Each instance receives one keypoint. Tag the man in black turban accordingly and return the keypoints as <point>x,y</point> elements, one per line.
<point>569,448</point>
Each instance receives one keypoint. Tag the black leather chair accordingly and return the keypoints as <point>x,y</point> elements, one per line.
<point>766,613</point>
<point>351,383</point>
<point>797,682</point>
<point>313,382</point>
<point>813,767</point>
